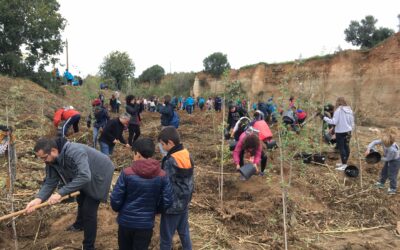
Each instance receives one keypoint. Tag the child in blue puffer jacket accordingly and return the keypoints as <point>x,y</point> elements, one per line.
<point>142,190</point>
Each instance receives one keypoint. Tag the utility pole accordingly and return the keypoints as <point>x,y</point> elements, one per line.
<point>398,16</point>
<point>66,45</point>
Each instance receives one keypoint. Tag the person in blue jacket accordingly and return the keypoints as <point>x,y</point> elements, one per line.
<point>201,103</point>
<point>142,190</point>
<point>69,77</point>
<point>189,105</point>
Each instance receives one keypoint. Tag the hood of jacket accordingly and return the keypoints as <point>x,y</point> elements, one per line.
<point>346,109</point>
<point>146,169</point>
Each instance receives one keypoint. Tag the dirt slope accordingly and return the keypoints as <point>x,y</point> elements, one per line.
<point>370,80</point>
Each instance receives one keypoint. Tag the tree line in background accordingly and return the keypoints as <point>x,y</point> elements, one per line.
<point>30,40</point>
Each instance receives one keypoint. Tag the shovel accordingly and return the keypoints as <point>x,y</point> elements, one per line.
<point>44,204</point>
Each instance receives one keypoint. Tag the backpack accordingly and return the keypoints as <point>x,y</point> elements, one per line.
<point>175,120</point>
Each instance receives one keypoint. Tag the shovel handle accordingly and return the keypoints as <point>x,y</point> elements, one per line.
<point>44,204</point>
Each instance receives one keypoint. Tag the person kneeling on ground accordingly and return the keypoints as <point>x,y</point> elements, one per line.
<point>141,190</point>
<point>112,134</point>
<point>289,117</point>
<point>391,158</point>
<point>79,168</point>
<point>179,166</point>
<point>250,147</point>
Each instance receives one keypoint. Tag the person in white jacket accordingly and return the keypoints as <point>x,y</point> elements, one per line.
<point>343,119</point>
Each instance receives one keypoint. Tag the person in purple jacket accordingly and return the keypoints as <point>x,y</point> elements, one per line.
<point>142,190</point>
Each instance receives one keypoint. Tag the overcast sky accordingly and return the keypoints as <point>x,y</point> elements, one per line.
<point>179,34</point>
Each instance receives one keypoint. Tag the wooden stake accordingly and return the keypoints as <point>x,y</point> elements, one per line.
<point>12,156</point>
<point>283,189</point>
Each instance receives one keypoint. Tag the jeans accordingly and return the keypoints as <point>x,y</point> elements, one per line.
<point>342,141</point>
<point>87,219</point>
<point>106,149</point>
<point>74,121</point>
<point>390,170</point>
<point>171,223</point>
<point>95,135</point>
<point>134,239</point>
<point>134,133</point>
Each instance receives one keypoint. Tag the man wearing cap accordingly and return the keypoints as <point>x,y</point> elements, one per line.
<point>80,168</point>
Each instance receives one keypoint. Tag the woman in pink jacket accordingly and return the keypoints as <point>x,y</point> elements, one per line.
<point>250,147</point>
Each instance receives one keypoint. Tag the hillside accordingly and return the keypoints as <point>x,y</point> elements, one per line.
<point>326,210</point>
<point>368,79</point>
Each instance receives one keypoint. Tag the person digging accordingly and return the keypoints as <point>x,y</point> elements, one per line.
<point>79,168</point>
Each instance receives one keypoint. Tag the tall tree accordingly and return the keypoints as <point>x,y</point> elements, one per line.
<point>216,63</point>
<point>30,35</point>
<point>118,66</point>
<point>153,74</point>
<point>365,34</point>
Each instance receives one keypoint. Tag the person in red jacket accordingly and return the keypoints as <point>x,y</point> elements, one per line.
<point>70,116</point>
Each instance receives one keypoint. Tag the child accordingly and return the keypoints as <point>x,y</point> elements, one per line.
<point>141,190</point>
<point>179,167</point>
<point>391,158</point>
<point>343,119</point>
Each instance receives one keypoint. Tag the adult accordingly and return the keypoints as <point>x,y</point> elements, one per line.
<point>113,103</point>
<point>101,117</point>
<point>166,111</point>
<point>79,168</point>
<point>218,104</point>
<point>250,147</point>
<point>133,108</point>
<point>70,116</point>
<point>343,119</point>
<point>69,77</point>
<point>189,105</point>
<point>112,134</point>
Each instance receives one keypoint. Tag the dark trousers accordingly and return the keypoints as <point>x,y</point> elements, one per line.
<point>134,239</point>
<point>343,141</point>
<point>390,170</point>
<point>171,223</point>
<point>74,121</point>
<point>87,219</point>
<point>263,160</point>
<point>134,133</point>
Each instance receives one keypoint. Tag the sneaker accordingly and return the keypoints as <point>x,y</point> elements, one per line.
<point>261,174</point>
<point>74,228</point>
<point>339,164</point>
<point>342,167</point>
<point>242,178</point>
<point>379,185</point>
<point>391,191</point>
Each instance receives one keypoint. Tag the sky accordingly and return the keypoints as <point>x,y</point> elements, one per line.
<point>179,34</point>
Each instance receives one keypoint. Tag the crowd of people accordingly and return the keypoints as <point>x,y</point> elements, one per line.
<point>148,187</point>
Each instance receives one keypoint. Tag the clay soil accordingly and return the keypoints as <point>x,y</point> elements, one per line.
<point>325,209</point>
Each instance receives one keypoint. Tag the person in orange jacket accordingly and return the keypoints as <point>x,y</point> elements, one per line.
<point>70,115</point>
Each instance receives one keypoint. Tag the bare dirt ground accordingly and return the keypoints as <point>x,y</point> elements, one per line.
<point>325,209</point>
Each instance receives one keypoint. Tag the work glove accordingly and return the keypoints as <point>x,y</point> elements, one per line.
<point>321,116</point>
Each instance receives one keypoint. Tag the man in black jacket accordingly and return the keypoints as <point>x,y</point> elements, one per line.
<point>112,134</point>
<point>167,111</point>
<point>133,108</point>
<point>79,168</point>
